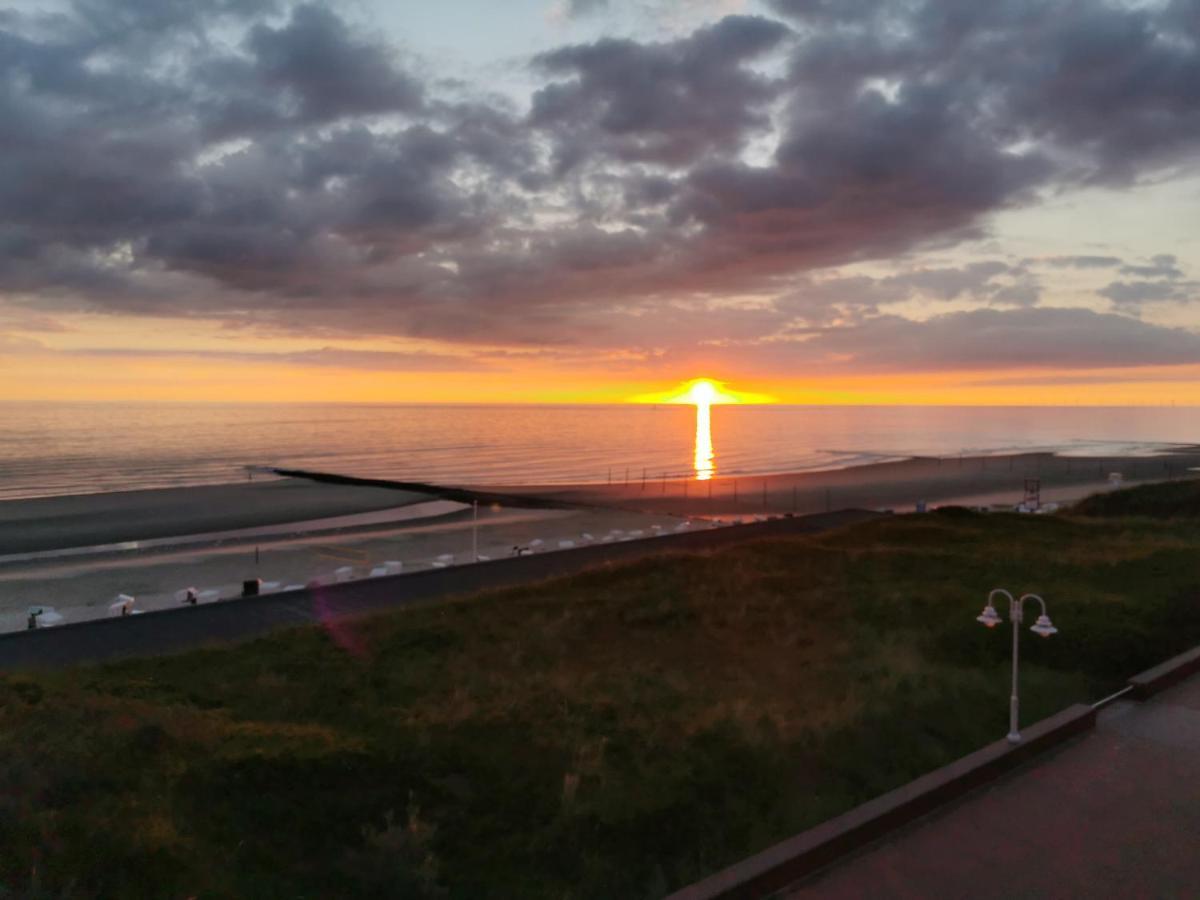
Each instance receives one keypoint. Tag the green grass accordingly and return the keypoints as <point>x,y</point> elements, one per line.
<point>1171,499</point>
<point>616,734</point>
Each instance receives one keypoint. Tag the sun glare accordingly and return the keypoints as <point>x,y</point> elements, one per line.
<point>703,392</point>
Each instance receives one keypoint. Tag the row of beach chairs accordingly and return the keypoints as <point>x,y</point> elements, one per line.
<point>125,604</point>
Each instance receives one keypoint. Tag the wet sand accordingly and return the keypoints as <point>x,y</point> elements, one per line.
<point>898,485</point>
<point>50,523</point>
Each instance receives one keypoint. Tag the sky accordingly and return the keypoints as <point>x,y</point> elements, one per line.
<point>820,201</point>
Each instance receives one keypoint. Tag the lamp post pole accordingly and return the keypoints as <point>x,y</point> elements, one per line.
<point>1016,614</point>
<point>1014,703</point>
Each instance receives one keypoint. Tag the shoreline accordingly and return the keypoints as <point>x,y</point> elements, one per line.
<point>895,484</point>
<point>260,534</point>
<point>86,520</point>
<point>44,524</point>
<point>296,550</point>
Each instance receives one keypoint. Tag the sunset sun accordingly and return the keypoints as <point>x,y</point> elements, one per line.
<point>703,392</point>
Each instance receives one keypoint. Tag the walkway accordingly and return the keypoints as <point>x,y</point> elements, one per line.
<point>168,631</point>
<point>1116,814</point>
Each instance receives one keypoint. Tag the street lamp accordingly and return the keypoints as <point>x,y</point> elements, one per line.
<point>1043,627</point>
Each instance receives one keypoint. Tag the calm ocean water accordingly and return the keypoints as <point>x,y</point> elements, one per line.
<point>87,448</point>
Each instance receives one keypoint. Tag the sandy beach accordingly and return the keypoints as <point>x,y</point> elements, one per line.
<point>82,586</point>
<point>48,523</point>
<point>290,532</point>
<point>898,485</point>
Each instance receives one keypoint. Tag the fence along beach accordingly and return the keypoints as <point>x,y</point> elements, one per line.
<point>553,517</point>
<point>980,480</point>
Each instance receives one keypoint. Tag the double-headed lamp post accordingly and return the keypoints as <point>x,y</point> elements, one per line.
<point>1043,626</point>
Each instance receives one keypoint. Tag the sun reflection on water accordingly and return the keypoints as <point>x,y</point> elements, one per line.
<point>705,461</point>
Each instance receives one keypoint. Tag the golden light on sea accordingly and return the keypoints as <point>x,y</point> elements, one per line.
<point>702,393</point>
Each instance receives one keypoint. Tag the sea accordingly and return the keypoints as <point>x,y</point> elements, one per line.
<point>73,448</point>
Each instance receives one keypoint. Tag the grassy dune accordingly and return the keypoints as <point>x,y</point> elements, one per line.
<point>1166,500</point>
<point>616,734</point>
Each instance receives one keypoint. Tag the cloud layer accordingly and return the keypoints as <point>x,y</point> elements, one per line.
<point>271,164</point>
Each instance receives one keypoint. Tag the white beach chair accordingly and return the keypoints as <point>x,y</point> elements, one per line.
<point>293,587</point>
<point>122,606</point>
<point>565,545</point>
<point>45,616</point>
<point>440,564</point>
<point>393,566</point>
<point>378,572</point>
<point>536,542</point>
<point>637,533</point>
<point>343,573</point>
<point>587,537</point>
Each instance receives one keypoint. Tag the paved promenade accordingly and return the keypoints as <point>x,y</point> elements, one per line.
<point>178,629</point>
<point>1115,814</point>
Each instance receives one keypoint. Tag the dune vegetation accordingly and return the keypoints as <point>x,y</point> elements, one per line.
<point>1162,500</point>
<point>616,734</point>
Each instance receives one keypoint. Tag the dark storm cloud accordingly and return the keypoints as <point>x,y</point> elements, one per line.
<point>1111,84</point>
<point>274,164</point>
<point>309,70</point>
<point>864,178</point>
<point>666,103</point>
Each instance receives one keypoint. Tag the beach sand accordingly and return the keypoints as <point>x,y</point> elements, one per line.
<point>49,523</point>
<point>83,586</point>
<point>898,485</point>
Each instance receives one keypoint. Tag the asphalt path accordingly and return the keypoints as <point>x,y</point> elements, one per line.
<point>168,631</point>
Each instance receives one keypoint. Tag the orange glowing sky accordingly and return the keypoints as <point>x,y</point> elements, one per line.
<point>83,376</point>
